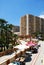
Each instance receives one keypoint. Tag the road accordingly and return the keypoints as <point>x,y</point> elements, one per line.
<point>37,59</point>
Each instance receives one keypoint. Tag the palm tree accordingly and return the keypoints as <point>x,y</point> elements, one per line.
<point>8,34</point>
<point>2,32</point>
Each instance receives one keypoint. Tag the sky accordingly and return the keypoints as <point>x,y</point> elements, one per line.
<point>13,10</point>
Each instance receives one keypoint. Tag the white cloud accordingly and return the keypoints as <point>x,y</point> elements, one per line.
<point>41,16</point>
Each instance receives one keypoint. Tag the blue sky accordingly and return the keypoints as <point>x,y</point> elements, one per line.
<point>12,10</point>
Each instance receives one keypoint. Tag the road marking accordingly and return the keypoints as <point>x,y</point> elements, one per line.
<point>35,58</point>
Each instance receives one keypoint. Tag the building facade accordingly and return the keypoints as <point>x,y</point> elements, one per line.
<point>15,29</point>
<point>30,24</point>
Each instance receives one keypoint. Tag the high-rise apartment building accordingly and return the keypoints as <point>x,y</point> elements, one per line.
<point>30,24</point>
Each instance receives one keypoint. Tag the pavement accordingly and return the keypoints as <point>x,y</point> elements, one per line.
<point>37,59</point>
